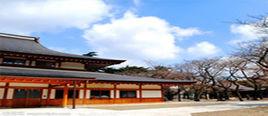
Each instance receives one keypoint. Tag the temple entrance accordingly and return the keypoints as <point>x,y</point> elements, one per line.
<point>27,98</point>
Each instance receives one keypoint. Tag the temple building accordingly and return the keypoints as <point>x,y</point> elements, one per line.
<point>32,75</point>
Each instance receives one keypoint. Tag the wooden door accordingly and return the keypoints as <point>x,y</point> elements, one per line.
<point>19,98</point>
<point>33,98</point>
<point>27,98</point>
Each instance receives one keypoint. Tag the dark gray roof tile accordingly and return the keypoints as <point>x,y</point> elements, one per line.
<point>17,71</point>
<point>31,45</point>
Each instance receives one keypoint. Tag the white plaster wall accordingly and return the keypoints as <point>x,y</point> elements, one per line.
<point>151,94</point>
<point>151,87</point>
<point>2,90</point>
<point>2,84</point>
<point>44,94</point>
<point>138,94</point>
<point>127,86</point>
<point>28,85</point>
<point>100,85</point>
<point>33,63</point>
<point>81,94</point>
<point>57,65</point>
<point>77,86</point>
<point>52,94</point>
<point>112,94</point>
<point>117,94</point>
<point>72,65</point>
<point>10,93</point>
<point>27,63</point>
<point>87,94</point>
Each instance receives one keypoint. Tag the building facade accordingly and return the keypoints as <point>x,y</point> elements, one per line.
<point>32,75</point>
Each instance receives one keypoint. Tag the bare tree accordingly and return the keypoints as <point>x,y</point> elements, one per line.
<point>201,83</point>
<point>242,70</point>
<point>205,72</point>
<point>232,66</point>
<point>256,51</point>
<point>254,55</point>
<point>253,75</point>
<point>225,86</point>
<point>222,80</point>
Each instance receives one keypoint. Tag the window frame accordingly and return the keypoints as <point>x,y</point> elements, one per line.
<point>23,61</point>
<point>127,93</point>
<point>100,94</point>
<point>53,64</point>
<point>61,95</point>
<point>33,95</point>
<point>19,94</point>
<point>27,94</point>
<point>70,96</point>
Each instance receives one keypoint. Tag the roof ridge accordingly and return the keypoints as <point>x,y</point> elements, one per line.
<point>16,36</point>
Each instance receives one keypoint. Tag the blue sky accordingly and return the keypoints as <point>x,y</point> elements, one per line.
<point>159,31</point>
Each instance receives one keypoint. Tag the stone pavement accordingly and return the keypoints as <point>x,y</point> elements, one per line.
<point>174,111</point>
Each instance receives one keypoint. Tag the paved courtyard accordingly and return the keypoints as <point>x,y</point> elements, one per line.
<point>154,109</point>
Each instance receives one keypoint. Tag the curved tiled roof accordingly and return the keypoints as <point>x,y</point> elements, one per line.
<point>17,71</point>
<point>30,45</point>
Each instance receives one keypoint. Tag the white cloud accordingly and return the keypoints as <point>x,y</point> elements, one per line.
<point>245,33</point>
<point>27,16</point>
<point>136,38</point>
<point>179,32</point>
<point>203,49</point>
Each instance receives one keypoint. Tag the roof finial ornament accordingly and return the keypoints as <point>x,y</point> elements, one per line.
<point>36,39</point>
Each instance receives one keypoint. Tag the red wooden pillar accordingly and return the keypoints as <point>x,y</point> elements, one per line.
<point>114,92</point>
<point>162,92</point>
<point>5,94</point>
<point>179,93</point>
<point>74,94</point>
<point>30,63</point>
<point>85,92</point>
<point>140,91</point>
<point>65,96</point>
<point>48,94</point>
<point>59,65</point>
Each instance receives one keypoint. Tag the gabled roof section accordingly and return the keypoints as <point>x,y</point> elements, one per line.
<point>31,45</point>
